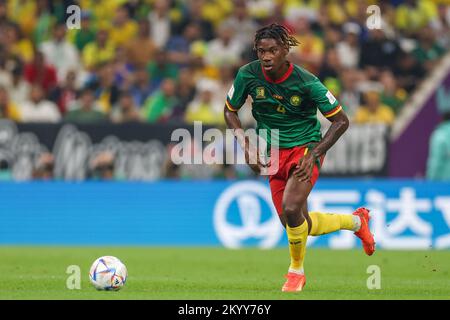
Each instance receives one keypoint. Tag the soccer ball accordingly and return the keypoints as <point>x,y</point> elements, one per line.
<point>108,273</point>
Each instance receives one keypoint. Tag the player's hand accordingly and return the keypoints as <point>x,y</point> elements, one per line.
<point>252,159</point>
<point>303,171</point>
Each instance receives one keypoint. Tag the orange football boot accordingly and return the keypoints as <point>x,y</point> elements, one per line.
<point>364,232</point>
<point>295,282</point>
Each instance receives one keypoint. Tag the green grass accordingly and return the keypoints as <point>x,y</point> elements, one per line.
<point>216,273</point>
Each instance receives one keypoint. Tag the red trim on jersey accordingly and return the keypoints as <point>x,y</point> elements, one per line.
<point>230,107</point>
<point>283,78</point>
<point>333,112</point>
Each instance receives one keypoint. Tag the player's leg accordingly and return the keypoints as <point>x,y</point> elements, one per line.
<point>277,197</point>
<point>307,217</point>
<point>358,222</point>
<point>324,223</point>
<point>294,199</point>
<point>277,186</point>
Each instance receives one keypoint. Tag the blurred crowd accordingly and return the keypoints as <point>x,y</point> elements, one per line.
<point>175,60</point>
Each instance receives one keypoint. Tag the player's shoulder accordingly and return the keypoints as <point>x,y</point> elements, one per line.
<point>251,68</point>
<point>304,75</point>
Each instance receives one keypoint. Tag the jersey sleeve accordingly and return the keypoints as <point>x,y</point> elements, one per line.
<point>237,95</point>
<point>324,99</point>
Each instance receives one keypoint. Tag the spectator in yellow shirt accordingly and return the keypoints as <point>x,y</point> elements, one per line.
<point>123,28</point>
<point>310,53</point>
<point>412,15</point>
<point>374,112</point>
<point>102,10</point>
<point>216,11</point>
<point>204,107</point>
<point>142,49</point>
<point>100,51</point>
<point>8,110</point>
<point>19,45</point>
<point>23,12</point>
<point>295,4</point>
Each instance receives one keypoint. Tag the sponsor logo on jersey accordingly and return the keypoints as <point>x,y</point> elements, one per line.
<point>295,100</point>
<point>278,97</point>
<point>260,93</point>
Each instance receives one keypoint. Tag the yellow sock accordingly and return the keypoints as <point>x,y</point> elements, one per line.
<point>323,223</point>
<point>297,237</point>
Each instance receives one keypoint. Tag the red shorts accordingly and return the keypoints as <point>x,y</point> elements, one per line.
<point>288,159</point>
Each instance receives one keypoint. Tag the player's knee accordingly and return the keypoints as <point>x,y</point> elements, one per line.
<point>292,210</point>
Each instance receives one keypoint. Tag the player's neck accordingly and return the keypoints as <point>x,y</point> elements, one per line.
<point>279,74</point>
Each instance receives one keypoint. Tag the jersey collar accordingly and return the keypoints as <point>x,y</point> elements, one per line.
<point>283,78</point>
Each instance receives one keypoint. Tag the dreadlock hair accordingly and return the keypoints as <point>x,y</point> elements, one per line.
<point>278,32</point>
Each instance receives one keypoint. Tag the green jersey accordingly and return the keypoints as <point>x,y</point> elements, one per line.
<point>288,104</point>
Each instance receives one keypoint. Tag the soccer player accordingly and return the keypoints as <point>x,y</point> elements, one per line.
<point>286,97</point>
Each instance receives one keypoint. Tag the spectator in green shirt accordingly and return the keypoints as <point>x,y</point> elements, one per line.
<point>392,95</point>
<point>86,33</point>
<point>85,111</point>
<point>161,68</point>
<point>428,51</point>
<point>160,105</point>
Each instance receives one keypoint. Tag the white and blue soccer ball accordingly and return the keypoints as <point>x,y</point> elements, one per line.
<point>108,273</point>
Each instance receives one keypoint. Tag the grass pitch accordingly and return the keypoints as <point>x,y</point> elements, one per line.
<point>217,273</point>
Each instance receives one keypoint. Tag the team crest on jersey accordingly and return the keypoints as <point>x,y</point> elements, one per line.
<point>295,100</point>
<point>260,93</point>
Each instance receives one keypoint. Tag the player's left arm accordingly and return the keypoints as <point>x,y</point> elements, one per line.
<point>333,111</point>
<point>339,124</point>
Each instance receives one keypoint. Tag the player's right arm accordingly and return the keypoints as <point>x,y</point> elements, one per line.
<point>235,99</point>
<point>233,122</point>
